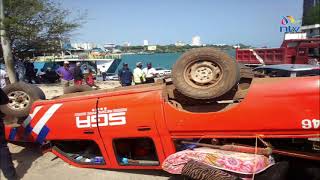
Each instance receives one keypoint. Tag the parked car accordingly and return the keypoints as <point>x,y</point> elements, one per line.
<point>112,77</point>
<point>162,72</point>
<point>288,70</point>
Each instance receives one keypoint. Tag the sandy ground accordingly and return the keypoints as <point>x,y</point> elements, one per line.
<point>31,164</point>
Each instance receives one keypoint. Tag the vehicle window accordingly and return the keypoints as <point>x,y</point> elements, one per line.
<point>277,73</point>
<point>80,151</point>
<point>292,44</point>
<point>313,52</point>
<point>314,72</point>
<point>136,152</point>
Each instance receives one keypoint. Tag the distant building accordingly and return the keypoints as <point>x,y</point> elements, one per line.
<point>219,44</point>
<point>109,46</point>
<point>196,41</point>
<point>83,46</point>
<point>145,43</point>
<point>236,46</point>
<point>180,43</point>
<point>126,44</point>
<point>152,48</point>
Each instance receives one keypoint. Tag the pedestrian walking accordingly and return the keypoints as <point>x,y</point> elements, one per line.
<point>138,75</point>
<point>6,164</point>
<point>77,74</point>
<point>150,73</point>
<point>65,74</point>
<point>125,75</point>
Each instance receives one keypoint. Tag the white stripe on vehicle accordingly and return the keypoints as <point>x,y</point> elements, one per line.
<point>30,117</point>
<point>45,118</point>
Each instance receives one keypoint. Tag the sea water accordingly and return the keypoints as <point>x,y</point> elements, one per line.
<point>164,60</point>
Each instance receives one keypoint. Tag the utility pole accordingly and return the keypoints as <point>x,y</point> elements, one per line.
<point>6,48</point>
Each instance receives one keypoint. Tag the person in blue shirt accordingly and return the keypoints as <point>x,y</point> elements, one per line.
<point>125,75</point>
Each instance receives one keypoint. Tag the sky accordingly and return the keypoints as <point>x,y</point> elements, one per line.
<point>252,22</point>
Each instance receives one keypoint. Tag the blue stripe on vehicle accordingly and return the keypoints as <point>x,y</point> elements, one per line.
<point>13,133</point>
<point>43,134</point>
<point>28,130</point>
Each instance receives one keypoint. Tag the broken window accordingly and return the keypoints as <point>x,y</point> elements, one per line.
<point>136,152</point>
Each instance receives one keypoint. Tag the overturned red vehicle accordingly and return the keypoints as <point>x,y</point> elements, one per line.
<point>139,127</point>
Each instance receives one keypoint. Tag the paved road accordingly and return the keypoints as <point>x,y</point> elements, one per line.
<point>32,165</point>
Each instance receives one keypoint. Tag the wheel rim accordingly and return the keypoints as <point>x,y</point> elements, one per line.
<point>18,100</point>
<point>203,74</point>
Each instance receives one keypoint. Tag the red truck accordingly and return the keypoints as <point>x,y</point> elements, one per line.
<point>139,127</point>
<point>293,51</point>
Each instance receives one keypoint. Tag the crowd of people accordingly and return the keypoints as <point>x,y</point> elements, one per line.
<point>138,76</point>
<point>76,75</point>
<point>79,74</point>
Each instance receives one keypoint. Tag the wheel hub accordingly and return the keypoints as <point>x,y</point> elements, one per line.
<point>204,73</point>
<point>18,100</point>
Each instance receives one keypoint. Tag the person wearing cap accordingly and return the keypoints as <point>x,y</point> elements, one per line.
<point>125,75</point>
<point>65,74</point>
<point>150,73</point>
<point>77,74</point>
<point>138,75</point>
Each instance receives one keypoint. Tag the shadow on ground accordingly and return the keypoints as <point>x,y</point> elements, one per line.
<point>29,153</point>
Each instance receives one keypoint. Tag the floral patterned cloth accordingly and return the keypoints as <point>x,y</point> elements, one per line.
<point>237,162</point>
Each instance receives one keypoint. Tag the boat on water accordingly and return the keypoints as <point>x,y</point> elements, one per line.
<point>94,59</point>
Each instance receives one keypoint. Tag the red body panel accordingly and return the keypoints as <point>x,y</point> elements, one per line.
<point>273,108</point>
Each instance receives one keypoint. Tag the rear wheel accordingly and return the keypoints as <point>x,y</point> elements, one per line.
<point>21,97</point>
<point>205,73</point>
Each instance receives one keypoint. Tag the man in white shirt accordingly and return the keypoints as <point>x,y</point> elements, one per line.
<point>3,76</point>
<point>150,73</point>
<point>139,76</point>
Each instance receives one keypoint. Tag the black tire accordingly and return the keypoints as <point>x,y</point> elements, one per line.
<point>224,72</point>
<point>20,106</point>
<point>77,88</point>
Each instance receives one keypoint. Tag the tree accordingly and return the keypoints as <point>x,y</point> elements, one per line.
<point>312,16</point>
<point>35,26</point>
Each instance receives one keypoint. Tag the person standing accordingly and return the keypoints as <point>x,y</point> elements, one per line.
<point>150,73</point>
<point>125,75</point>
<point>90,79</point>
<point>138,75</point>
<point>30,72</point>
<point>6,164</point>
<point>65,74</point>
<point>103,71</point>
<point>3,77</point>
<point>85,71</point>
<point>77,74</point>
